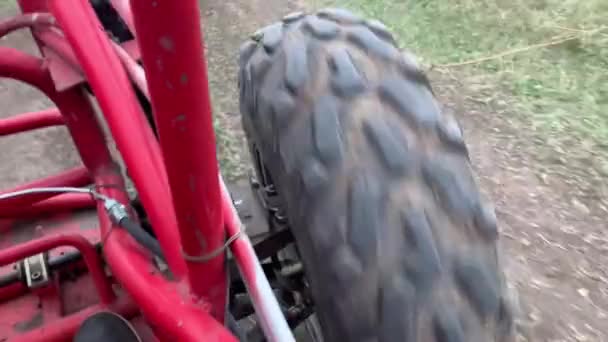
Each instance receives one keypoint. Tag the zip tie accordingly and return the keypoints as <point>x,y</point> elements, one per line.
<point>215,253</point>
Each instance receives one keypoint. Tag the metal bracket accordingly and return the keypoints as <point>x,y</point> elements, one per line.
<point>36,271</point>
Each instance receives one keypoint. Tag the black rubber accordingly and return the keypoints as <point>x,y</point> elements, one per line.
<point>396,241</point>
<point>106,327</point>
<point>140,235</point>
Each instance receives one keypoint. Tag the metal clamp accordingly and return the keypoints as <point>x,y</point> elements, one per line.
<point>36,271</point>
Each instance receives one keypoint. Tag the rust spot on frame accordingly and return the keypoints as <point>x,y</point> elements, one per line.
<point>167,43</point>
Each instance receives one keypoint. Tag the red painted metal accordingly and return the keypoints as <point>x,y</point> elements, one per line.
<point>63,330</point>
<point>174,60</point>
<point>71,103</point>
<point>11,291</point>
<point>125,120</point>
<point>165,305</point>
<point>33,5</point>
<point>58,203</point>
<point>30,121</point>
<point>135,71</point>
<point>54,40</point>
<point>132,49</point>
<point>64,74</point>
<point>78,176</point>
<point>168,306</point>
<point>25,20</point>
<point>86,249</point>
<point>57,43</point>
<point>266,306</point>
<point>186,170</point>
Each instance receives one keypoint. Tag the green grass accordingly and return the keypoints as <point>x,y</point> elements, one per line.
<point>561,89</point>
<point>5,3</point>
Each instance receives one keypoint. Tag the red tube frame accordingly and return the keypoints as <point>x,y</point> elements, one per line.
<point>86,249</point>
<point>30,121</point>
<point>165,304</point>
<point>174,60</point>
<point>58,203</point>
<point>78,176</point>
<point>26,20</point>
<point>175,309</point>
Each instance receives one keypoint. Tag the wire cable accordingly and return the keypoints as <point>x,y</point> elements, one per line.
<point>59,189</point>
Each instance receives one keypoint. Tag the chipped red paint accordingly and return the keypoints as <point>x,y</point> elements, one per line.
<point>177,77</point>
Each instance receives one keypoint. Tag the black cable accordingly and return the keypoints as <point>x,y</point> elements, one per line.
<point>54,263</point>
<point>9,278</point>
<point>141,236</point>
<point>133,228</point>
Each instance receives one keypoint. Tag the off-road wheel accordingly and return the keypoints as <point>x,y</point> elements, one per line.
<point>396,242</point>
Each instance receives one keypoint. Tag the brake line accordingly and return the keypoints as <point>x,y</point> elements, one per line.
<point>116,211</point>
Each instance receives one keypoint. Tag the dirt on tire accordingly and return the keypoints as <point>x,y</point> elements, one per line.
<point>395,238</point>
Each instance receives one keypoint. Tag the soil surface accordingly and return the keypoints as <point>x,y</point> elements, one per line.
<point>552,211</point>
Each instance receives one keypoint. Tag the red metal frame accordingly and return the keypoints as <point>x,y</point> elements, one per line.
<point>180,99</point>
<point>31,121</point>
<point>176,176</point>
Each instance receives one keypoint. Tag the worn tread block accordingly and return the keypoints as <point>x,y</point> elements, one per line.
<point>244,82</point>
<point>346,79</point>
<point>391,147</point>
<point>366,201</point>
<point>296,68</point>
<point>447,326</point>
<point>451,134</point>
<point>370,43</point>
<point>327,132</point>
<point>246,50</point>
<point>283,108</point>
<point>341,15</point>
<point>413,101</point>
<point>411,69</point>
<point>260,65</point>
<point>457,198</point>
<point>264,112</point>
<point>422,262</point>
<point>321,28</point>
<point>397,310</point>
<point>293,17</point>
<point>272,36</point>
<point>478,286</point>
<point>314,176</point>
<point>486,222</point>
<point>349,266</point>
<point>380,30</point>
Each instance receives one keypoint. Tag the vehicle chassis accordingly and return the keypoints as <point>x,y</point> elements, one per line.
<point>171,160</point>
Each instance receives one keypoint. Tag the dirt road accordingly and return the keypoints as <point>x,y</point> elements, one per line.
<point>552,221</point>
<point>552,214</point>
